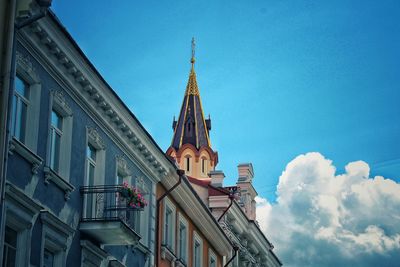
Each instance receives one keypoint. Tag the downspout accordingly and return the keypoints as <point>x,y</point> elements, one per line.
<point>226,210</point>
<point>235,248</point>
<point>231,197</point>
<point>180,174</point>
<point>6,83</point>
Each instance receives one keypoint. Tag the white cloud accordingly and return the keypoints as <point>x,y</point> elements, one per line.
<point>325,219</point>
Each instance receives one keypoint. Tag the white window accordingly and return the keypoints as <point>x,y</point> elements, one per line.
<point>143,216</point>
<point>26,104</point>
<point>20,109</point>
<point>56,132</point>
<point>169,225</point>
<point>197,250</point>
<point>55,235</point>
<point>123,172</point>
<point>212,259</point>
<point>59,144</point>
<point>183,231</point>
<point>21,212</point>
<point>95,168</point>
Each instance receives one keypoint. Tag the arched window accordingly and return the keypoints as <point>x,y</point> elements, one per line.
<point>203,165</point>
<point>188,162</point>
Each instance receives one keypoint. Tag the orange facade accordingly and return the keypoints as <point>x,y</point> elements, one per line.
<point>194,234</point>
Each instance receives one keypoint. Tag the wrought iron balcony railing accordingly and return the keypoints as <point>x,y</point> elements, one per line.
<point>106,211</point>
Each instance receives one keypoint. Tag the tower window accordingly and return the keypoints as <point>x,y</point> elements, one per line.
<point>187,164</point>
<point>203,165</point>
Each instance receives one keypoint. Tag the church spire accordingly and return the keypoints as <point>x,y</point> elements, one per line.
<point>191,126</point>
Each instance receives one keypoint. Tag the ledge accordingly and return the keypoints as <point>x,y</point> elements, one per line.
<point>26,153</point>
<point>52,176</point>
<point>180,263</point>
<point>167,254</point>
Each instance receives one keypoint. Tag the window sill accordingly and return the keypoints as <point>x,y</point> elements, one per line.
<point>52,176</point>
<point>167,254</point>
<point>180,263</point>
<point>26,153</point>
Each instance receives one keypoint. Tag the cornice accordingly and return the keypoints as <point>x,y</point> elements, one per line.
<point>72,68</point>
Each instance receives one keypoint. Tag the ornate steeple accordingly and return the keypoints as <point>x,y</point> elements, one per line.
<point>191,140</point>
<point>191,126</point>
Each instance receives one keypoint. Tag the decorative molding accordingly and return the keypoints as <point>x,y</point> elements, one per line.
<point>141,184</point>
<point>91,254</point>
<point>25,65</point>
<point>52,176</point>
<point>83,83</point>
<point>95,139</point>
<point>26,153</point>
<point>60,103</point>
<point>122,166</point>
<point>167,254</point>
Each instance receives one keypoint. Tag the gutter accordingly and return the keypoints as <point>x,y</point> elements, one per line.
<point>157,250</point>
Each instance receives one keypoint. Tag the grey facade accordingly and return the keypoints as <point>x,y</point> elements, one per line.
<point>72,143</point>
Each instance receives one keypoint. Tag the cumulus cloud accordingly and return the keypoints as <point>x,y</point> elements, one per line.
<point>322,218</point>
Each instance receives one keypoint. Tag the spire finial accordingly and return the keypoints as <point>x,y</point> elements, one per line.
<point>192,60</point>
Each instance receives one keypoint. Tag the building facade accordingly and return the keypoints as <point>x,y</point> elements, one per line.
<point>72,145</point>
<point>72,151</point>
<point>234,207</point>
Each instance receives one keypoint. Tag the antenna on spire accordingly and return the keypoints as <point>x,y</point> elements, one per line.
<point>192,60</point>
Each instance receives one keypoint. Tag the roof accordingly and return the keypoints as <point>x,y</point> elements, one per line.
<point>191,126</point>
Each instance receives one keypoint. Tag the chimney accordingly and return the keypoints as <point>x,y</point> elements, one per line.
<point>248,193</point>
<point>217,178</point>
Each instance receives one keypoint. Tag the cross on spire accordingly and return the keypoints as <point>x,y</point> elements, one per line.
<point>192,60</point>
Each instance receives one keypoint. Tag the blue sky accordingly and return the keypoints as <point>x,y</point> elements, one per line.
<point>279,78</point>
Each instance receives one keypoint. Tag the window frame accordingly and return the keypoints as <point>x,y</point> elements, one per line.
<point>27,73</point>
<point>199,240</point>
<point>212,256</point>
<point>170,232</point>
<point>182,220</point>
<point>55,236</point>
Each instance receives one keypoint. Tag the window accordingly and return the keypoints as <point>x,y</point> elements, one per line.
<point>203,165</point>
<point>212,259</point>
<point>187,164</point>
<point>25,108</point>
<point>182,239</point>
<point>59,143</point>
<point>144,216</point>
<point>10,247</point>
<point>55,235</point>
<point>169,225</point>
<point>95,168</point>
<point>55,140</point>
<point>21,213</point>
<point>197,250</point>
<point>20,109</point>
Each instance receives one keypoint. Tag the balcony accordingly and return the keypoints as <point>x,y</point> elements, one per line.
<point>106,216</point>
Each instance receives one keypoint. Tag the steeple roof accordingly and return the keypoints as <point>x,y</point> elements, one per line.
<point>191,127</point>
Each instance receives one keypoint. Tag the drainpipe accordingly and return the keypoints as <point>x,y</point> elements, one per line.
<point>7,84</point>
<point>180,174</point>
<point>226,210</point>
<point>235,248</point>
<point>231,198</point>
